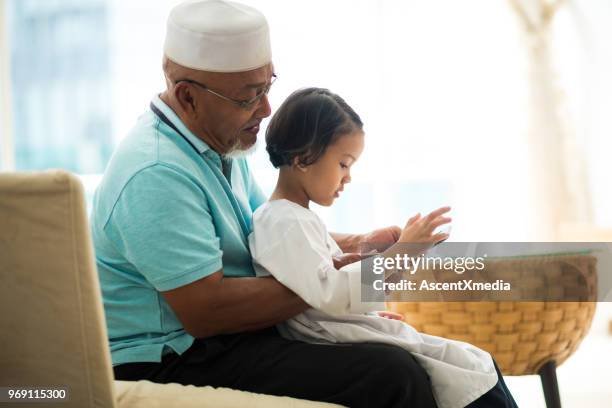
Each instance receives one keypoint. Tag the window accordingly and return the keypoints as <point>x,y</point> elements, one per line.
<point>440,85</point>
<point>60,71</point>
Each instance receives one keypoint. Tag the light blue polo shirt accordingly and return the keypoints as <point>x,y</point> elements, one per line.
<point>165,216</point>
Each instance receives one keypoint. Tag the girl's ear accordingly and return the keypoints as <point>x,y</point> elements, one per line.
<point>297,164</point>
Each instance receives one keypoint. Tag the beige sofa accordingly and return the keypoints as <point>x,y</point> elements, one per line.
<point>51,315</point>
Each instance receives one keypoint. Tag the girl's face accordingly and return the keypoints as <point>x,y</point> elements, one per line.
<point>325,179</point>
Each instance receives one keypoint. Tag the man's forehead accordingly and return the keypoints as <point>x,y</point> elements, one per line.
<point>248,79</point>
<point>258,78</point>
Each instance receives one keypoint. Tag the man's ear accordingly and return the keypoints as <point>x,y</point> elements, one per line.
<point>297,164</point>
<point>184,96</point>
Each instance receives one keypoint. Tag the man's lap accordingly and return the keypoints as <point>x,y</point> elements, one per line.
<point>350,374</point>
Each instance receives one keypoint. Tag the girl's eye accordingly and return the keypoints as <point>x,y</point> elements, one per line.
<point>344,166</point>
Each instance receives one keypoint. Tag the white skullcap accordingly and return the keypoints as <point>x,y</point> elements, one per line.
<point>217,36</point>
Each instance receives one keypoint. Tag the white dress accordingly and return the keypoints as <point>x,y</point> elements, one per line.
<point>292,244</point>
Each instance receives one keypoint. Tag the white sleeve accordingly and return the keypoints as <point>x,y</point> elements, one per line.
<point>299,258</point>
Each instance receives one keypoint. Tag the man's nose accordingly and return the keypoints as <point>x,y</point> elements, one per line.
<point>263,109</point>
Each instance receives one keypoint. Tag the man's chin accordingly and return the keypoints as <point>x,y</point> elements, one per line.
<point>242,149</point>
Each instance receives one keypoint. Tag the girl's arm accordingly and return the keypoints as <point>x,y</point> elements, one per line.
<point>298,256</point>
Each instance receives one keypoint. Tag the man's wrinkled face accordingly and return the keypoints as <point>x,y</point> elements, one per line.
<point>224,125</point>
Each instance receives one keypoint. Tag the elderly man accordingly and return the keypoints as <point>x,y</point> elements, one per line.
<point>170,224</point>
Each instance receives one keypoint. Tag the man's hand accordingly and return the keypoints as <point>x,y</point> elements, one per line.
<point>382,238</point>
<point>345,259</point>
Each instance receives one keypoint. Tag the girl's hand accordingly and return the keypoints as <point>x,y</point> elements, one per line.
<point>420,229</point>
<point>390,315</point>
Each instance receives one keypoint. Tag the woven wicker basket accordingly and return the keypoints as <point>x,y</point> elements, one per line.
<point>521,336</point>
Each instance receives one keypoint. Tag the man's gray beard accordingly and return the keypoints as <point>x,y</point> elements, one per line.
<point>236,152</point>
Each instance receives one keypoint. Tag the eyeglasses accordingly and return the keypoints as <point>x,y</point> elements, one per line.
<point>243,104</point>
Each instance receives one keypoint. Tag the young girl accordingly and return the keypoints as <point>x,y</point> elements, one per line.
<point>314,139</point>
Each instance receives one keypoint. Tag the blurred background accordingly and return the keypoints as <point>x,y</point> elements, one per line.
<point>499,108</point>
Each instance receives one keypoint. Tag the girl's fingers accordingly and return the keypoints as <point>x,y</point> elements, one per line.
<point>413,219</point>
<point>438,222</point>
<point>439,237</point>
<point>391,315</point>
<point>436,213</point>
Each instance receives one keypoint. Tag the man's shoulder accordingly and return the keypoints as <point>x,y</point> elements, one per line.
<point>151,141</point>
<point>148,154</point>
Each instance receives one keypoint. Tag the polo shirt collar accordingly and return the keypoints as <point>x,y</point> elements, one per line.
<point>199,144</point>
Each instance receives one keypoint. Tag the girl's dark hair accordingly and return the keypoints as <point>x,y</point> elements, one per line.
<point>306,124</point>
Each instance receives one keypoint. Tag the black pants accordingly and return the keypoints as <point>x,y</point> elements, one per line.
<point>354,375</point>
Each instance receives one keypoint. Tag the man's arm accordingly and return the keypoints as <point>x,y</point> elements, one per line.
<point>381,238</point>
<point>219,305</point>
<point>348,242</point>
